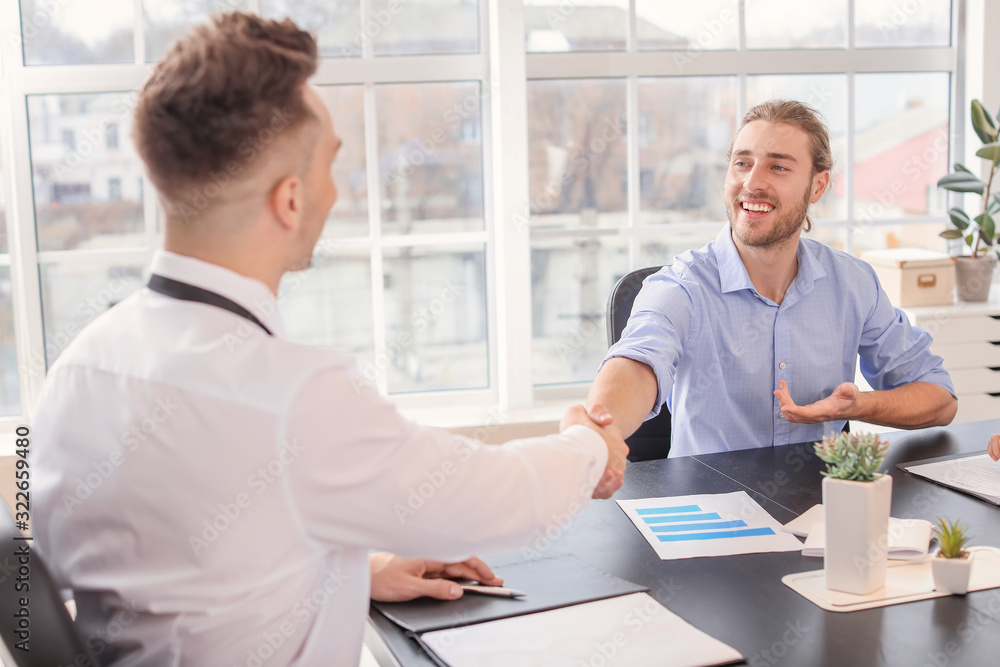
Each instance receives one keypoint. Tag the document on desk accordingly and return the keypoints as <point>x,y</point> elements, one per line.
<point>718,524</point>
<point>977,475</point>
<point>633,630</point>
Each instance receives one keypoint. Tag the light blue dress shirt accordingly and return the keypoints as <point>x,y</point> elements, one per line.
<point>718,348</point>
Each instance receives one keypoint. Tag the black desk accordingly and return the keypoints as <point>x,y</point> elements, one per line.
<point>741,600</point>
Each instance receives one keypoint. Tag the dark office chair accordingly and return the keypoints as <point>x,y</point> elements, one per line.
<point>652,439</point>
<point>53,639</point>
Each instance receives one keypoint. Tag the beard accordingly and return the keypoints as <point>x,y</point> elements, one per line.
<point>755,234</point>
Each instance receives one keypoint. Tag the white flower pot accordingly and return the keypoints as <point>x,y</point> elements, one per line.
<point>951,575</point>
<point>856,516</point>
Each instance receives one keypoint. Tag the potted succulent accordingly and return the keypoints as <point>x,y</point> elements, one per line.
<point>974,272</point>
<point>856,500</point>
<point>952,566</point>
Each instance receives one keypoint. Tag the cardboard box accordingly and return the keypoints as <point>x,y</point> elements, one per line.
<point>913,276</point>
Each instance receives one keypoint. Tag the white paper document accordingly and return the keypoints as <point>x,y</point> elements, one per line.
<point>909,539</point>
<point>978,475</point>
<point>720,524</point>
<point>630,631</point>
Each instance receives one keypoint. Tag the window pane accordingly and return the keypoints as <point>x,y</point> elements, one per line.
<point>570,283</point>
<point>662,250</point>
<point>834,236</point>
<point>10,398</point>
<point>336,24</point>
<point>430,144</point>
<point>882,23</point>
<point>595,25</point>
<point>827,93</point>
<point>73,168</point>
<point>400,27</point>
<point>435,303</point>
<point>330,304</point>
<point>349,216</point>
<point>77,32</point>
<point>685,126</point>
<point>793,24</point>
<point>708,25</point>
<point>901,145</point>
<point>74,293</point>
<point>577,153</point>
<point>166,21</point>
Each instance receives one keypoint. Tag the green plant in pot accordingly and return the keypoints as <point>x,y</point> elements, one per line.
<point>952,566</point>
<point>856,501</point>
<point>974,272</point>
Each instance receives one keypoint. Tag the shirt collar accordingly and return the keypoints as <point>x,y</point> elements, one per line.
<point>250,293</point>
<point>734,277</point>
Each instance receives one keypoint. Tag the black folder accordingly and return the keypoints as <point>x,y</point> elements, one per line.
<point>549,583</point>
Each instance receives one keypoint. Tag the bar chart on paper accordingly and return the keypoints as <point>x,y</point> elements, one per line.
<point>723,524</point>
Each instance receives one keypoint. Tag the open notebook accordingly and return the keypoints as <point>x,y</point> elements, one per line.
<point>909,539</point>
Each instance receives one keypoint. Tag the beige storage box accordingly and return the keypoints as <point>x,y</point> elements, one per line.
<point>913,276</point>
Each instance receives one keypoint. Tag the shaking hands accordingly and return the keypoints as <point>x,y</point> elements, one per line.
<point>599,419</point>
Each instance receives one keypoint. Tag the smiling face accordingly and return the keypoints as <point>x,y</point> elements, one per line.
<point>770,184</point>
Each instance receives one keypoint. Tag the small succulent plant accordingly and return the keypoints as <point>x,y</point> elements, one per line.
<point>952,536</point>
<point>854,456</point>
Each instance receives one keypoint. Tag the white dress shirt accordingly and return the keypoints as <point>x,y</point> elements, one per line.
<point>210,493</point>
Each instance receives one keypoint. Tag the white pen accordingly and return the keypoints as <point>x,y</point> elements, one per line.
<point>493,590</point>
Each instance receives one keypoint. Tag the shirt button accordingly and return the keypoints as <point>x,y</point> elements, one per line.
<point>781,415</point>
<point>782,365</point>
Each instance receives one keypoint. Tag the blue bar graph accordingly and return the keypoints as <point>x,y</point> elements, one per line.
<point>687,527</point>
<point>685,537</point>
<point>682,517</point>
<point>668,510</point>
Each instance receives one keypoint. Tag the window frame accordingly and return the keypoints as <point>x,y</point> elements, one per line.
<point>501,64</point>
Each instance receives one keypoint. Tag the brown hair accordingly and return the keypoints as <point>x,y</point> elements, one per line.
<point>801,116</point>
<point>215,97</point>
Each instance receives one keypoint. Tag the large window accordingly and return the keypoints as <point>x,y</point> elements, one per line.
<point>504,163</point>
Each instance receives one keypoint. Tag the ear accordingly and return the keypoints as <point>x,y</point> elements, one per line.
<point>286,202</point>
<point>819,185</point>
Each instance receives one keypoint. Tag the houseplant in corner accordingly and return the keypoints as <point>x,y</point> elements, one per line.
<point>952,566</point>
<point>974,272</point>
<point>856,503</point>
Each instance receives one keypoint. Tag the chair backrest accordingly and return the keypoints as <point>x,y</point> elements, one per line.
<point>621,298</point>
<point>652,439</point>
<point>52,638</point>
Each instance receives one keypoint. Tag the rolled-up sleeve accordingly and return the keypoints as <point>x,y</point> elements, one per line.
<point>658,329</point>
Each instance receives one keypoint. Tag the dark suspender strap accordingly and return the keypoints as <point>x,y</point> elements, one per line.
<point>178,290</point>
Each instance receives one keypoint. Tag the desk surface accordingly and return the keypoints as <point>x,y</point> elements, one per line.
<point>741,600</point>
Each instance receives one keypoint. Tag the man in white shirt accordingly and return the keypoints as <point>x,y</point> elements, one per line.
<point>209,490</point>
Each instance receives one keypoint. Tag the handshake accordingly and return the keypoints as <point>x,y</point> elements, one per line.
<point>599,419</point>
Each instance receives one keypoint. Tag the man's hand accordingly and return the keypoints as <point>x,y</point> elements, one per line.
<point>599,419</point>
<point>993,449</point>
<point>838,405</point>
<point>396,579</point>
